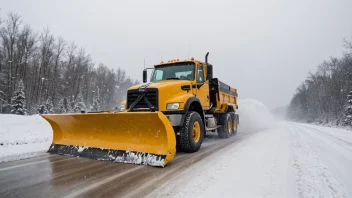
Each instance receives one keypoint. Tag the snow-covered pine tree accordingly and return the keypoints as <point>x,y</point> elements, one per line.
<point>60,106</point>
<point>42,109</point>
<point>18,100</point>
<point>49,105</point>
<point>79,104</point>
<point>96,100</point>
<point>64,105</point>
<point>348,112</point>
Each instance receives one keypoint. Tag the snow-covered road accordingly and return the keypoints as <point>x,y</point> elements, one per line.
<point>288,160</point>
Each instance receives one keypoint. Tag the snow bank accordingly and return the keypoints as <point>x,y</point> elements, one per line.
<point>23,136</point>
<point>254,116</point>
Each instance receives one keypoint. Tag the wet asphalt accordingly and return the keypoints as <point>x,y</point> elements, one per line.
<point>66,176</point>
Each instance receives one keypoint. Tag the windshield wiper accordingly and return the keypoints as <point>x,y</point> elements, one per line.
<point>173,78</point>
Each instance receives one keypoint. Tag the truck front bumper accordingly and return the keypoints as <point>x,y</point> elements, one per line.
<point>175,119</point>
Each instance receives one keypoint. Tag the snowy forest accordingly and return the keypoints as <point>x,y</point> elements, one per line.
<point>325,97</point>
<point>41,73</point>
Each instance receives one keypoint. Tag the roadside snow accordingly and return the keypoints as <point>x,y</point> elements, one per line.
<point>23,136</point>
<point>341,134</point>
<point>314,178</point>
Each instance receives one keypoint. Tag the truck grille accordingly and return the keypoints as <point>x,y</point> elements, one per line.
<point>151,95</point>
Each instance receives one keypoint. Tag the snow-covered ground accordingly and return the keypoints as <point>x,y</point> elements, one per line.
<point>278,159</point>
<point>23,136</point>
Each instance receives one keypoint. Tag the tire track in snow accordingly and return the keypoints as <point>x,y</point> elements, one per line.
<point>281,170</point>
<point>313,178</point>
<point>274,178</point>
<point>172,188</point>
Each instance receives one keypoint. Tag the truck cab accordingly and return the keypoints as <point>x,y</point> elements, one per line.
<point>188,95</point>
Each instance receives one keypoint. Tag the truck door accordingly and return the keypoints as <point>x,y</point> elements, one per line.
<point>202,87</point>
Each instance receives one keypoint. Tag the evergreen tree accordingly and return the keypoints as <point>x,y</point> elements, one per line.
<point>18,100</point>
<point>49,105</point>
<point>79,104</point>
<point>96,100</point>
<point>42,109</point>
<point>64,105</point>
<point>60,106</point>
<point>348,112</point>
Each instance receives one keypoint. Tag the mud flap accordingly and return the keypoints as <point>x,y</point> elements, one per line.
<point>127,137</point>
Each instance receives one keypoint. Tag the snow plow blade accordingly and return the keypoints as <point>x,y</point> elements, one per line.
<point>127,137</point>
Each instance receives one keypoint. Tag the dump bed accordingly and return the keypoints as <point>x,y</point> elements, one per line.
<point>222,95</point>
<point>227,94</point>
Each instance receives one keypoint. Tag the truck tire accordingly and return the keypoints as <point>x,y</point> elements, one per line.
<point>192,132</point>
<point>225,130</point>
<point>234,118</point>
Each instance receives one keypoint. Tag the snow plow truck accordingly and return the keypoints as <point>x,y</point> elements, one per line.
<point>180,104</point>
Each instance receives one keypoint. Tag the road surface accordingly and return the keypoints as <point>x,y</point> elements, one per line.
<point>65,176</point>
<point>288,160</point>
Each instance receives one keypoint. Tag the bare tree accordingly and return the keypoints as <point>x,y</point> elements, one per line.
<point>323,95</point>
<point>53,70</point>
<point>9,36</point>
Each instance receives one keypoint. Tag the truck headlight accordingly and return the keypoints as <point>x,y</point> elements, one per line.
<point>173,106</point>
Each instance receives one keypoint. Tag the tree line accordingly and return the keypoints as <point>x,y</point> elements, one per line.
<point>326,95</point>
<point>41,73</point>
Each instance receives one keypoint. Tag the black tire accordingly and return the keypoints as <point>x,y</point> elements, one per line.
<point>225,130</point>
<point>187,142</point>
<point>234,118</point>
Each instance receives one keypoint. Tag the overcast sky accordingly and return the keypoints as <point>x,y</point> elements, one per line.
<point>262,48</point>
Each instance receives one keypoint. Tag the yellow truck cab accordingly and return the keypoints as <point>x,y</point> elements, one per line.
<point>193,101</point>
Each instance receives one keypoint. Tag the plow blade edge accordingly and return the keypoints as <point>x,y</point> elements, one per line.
<point>127,137</point>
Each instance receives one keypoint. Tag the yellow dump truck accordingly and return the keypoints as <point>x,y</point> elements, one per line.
<point>180,104</point>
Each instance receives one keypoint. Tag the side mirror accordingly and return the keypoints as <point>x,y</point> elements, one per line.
<point>144,76</point>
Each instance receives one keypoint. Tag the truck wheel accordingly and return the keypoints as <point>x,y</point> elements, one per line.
<point>192,132</point>
<point>234,123</point>
<point>225,130</point>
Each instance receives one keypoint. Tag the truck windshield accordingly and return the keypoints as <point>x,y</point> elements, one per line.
<point>177,71</point>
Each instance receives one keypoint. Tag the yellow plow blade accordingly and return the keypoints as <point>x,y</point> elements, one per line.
<point>127,137</point>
